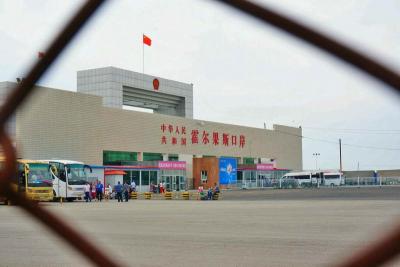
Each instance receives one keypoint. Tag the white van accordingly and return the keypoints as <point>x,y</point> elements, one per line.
<point>333,178</point>
<point>302,178</point>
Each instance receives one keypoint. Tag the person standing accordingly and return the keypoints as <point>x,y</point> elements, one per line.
<point>99,191</point>
<point>93,190</point>
<point>133,186</point>
<point>86,189</point>
<point>126,191</point>
<point>151,187</point>
<point>200,192</point>
<point>210,193</point>
<point>118,191</point>
<point>107,192</point>
<point>110,190</point>
<point>161,186</point>
<point>216,189</point>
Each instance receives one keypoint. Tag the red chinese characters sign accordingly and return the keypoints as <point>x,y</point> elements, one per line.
<point>178,135</point>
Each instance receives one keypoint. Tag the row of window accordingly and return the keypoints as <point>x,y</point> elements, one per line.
<point>124,158</point>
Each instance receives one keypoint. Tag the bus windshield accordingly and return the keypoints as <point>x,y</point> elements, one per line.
<point>39,175</point>
<point>76,174</point>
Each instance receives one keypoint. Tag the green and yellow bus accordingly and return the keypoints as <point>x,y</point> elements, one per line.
<point>34,180</point>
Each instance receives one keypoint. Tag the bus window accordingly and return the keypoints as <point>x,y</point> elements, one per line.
<point>60,170</point>
<point>332,177</point>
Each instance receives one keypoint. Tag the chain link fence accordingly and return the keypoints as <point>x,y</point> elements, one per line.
<point>374,255</point>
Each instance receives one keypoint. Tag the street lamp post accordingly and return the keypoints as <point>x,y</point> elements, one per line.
<point>316,165</point>
<point>316,160</point>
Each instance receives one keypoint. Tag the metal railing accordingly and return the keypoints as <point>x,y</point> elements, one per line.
<point>376,254</point>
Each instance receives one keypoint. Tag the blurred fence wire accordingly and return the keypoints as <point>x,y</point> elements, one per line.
<point>374,255</point>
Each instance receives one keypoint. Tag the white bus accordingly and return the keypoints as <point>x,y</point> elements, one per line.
<point>69,177</point>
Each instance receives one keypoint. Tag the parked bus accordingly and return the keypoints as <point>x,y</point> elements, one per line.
<point>69,177</point>
<point>33,179</point>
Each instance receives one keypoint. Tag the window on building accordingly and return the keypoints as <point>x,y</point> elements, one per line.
<point>147,156</point>
<point>117,157</point>
<point>248,160</point>
<point>153,177</point>
<point>135,177</point>
<point>173,157</point>
<point>239,176</point>
<point>145,177</point>
<point>203,176</point>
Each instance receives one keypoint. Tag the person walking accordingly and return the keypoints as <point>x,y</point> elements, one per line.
<point>118,191</point>
<point>126,191</point>
<point>86,189</point>
<point>99,191</point>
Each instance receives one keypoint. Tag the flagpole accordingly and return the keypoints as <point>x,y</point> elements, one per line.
<point>143,54</point>
<point>143,60</point>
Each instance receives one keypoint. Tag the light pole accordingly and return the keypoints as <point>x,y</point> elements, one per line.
<point>316,160</point>
<point>316,166</point>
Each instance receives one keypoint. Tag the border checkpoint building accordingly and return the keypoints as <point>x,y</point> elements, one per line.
<point>168,145</point>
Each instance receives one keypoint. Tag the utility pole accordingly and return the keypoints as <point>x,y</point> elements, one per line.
<point>340,153</point>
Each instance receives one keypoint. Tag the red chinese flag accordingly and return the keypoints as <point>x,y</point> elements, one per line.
<point>40,54</point>
<point>146,40</point>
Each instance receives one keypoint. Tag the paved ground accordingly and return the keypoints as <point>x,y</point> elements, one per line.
<point>342,193</point>
<point>258,228</point>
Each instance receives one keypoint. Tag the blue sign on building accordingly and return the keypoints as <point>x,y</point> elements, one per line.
<point>227,171</point>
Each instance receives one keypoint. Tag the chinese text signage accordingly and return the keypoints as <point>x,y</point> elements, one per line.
<point>265,167</point>
<point>180,135</point>
<point>172,165</point>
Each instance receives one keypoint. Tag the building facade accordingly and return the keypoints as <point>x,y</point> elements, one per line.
<point>91,126</point>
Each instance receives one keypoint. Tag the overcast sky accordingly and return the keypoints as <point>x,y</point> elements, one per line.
<point>243,72</point>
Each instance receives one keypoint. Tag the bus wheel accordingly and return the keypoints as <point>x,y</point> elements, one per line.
<point>332,185</point>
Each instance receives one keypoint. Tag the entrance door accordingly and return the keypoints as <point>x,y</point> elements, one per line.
<point>261,181</point>
<point>249,179</point>
<point>182,183</point>
<point>173,183</point>
<point>166,180</point>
